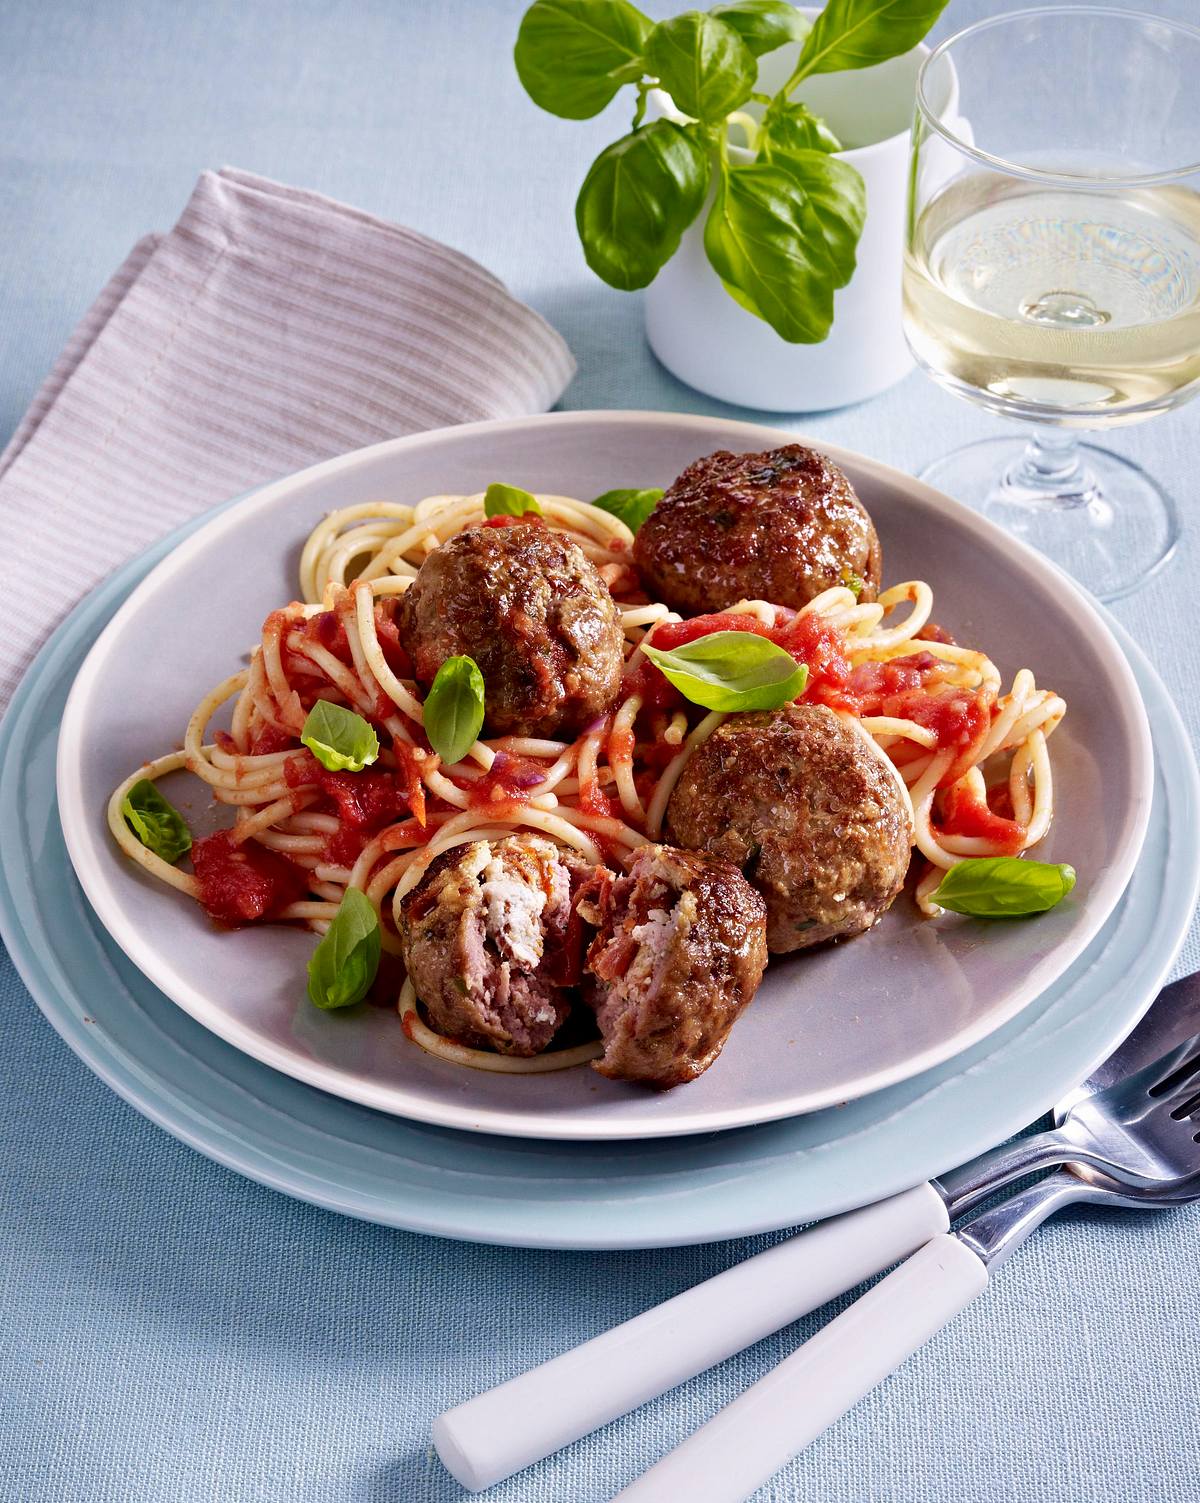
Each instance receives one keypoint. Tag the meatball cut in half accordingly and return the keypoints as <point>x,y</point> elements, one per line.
<point>486,936</point>
<point>779,526</point>
<point>528,605</point>
<point>810,809</point>
<point>679,951</point>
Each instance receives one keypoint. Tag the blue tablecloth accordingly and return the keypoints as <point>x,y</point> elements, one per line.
<point>170,1333</point>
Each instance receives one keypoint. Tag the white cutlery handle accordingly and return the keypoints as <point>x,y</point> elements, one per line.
<point>744,1445</point>
<point>512,1426</point>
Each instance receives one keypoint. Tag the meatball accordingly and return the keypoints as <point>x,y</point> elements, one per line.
<point>811,811</point>
<point>780,526</point>
<point>487,937</point>
<point>528,605</point>
<point>680,950</point>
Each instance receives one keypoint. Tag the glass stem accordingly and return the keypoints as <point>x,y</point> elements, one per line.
<point>1052,466</point>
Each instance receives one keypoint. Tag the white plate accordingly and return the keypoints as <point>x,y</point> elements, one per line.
<point>825,1027</point>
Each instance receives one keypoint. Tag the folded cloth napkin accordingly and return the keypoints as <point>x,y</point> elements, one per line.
<point>269,329</point>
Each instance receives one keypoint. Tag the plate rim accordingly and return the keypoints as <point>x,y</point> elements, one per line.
<point>394,1100</point>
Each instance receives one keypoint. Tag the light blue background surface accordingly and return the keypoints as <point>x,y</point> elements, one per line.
<point>170,1333</point>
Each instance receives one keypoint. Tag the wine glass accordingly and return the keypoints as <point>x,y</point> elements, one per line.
<point>1052,268</point>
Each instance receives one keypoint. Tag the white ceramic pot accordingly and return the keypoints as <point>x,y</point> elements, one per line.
<point>702,336</point>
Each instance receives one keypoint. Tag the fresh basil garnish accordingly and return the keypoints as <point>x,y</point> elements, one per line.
<point>763,24</point>
<point>702,63</point>
<point>732,670</point>
<point>859,33</point>
<point>836,195</point>
<point>454,709</point>
<point>343,966</point>
<point>339,739</point>
<point>509,501</point>
<point>639,196</point>
<point>1003,887</point>
<point>573,55</point>
<point>757,238</point>
<point>789,126</point>
<point>156,822</point>
<point>631,507</point>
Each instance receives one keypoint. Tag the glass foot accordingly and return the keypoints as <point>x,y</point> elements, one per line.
<point>1098,516</point>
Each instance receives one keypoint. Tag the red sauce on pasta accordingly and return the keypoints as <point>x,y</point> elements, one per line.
<point>963,814</point>
<point>242,883</point>
<point>510,780</point>
<point>958,718</point>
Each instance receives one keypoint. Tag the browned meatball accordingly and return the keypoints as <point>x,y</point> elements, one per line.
<point>486,936</point>
<point>528,605</point>
<point>780,526</point>
<point>809,809</point>
<point>679,953</point>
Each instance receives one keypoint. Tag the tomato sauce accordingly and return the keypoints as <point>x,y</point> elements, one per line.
<point>510,780</point>
<point>364,800</point>
<point>594,800</point>
<point>563,960</point>
<point>345,846</point>
<point>270,739</point>
<point>526,519</point>
<point>959,718</point>
<point>329,631</point>
<point>394,654</point>
<point>409,772</point>
<point>620,745</point>
<point>655,692</point>
<point>963,814</point>
<point>240,884</point>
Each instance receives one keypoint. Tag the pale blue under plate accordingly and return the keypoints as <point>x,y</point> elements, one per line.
<point>575,1195</point>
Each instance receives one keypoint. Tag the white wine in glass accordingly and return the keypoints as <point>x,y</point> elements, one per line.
<point>1056,281</point>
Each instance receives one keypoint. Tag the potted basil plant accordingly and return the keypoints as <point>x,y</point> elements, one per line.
<point>760,190</point>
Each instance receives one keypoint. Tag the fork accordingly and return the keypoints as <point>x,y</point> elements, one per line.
<point>1098,1125</point>
<point>738,1450</point>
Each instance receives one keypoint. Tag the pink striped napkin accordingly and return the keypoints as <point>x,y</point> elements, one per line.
<point>269,329</point>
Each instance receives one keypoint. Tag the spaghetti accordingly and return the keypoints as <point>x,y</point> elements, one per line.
<point>971,759</point>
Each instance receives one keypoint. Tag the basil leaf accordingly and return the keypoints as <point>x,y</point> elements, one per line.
<point>763,24</point>
<point>732,670</point>
<point>766,242</point>
<point>1003,887</point>
<point>860,33</point>
<point>509,501</point>
<point>853,582</point>
<point>789,127</point>
<point>454,709</point>
<point>639,196</point>
<point>342,967</point>
<point>836,196</point>
<point>339,739</point>
<point>631,507</point>
<point>703,64</point>
<point>156,822</point>
<point>573,55</point>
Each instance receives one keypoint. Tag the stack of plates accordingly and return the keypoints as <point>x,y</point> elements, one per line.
<point>858,1070</point>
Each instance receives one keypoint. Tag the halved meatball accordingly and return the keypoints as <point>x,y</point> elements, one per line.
<point>528,605</point>
<point>487,935</point>
<point>802,801</point>
<point>782,526</point>
<point>679,952</point>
